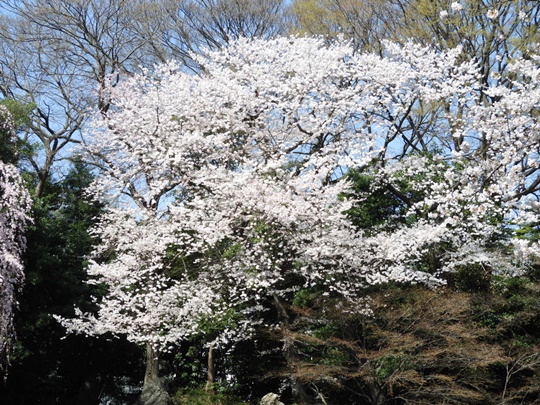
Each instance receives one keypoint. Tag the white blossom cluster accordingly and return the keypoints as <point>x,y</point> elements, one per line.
<point>227,189</point>
<point>7,122</point>
<point>14,210</point>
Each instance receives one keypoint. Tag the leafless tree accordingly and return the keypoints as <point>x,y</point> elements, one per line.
<point>189,26</point>
<point>59,55</point>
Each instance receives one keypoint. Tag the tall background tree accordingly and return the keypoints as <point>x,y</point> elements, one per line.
<point>491,32</point>
<point>366,23</point>
<point>189,27</point>
<point>61,56</point>
<point>58,56</point>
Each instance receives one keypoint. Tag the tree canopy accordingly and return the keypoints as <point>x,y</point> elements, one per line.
<point>274,191</point>
<point>232,187</point>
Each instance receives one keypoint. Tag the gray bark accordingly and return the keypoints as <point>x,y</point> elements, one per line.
<point>154,391</point>
<point>210,379</point>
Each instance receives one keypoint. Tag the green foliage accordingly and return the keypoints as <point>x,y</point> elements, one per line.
<point>20,111</point>
<point>512,311</point>
<point>390,364</point>
<point>199,396</point>
<point>13,148</point>
<point>529,232</point>
<point>375,206</point>
<point>473,277</point>
<point>386,206</point>
<point>306,297</point>
<point>232,251</point>
<point>210,326</point>
<point>189,365</point>
<point>60,369</point>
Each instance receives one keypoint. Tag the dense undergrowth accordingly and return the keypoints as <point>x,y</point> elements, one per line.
<point>455,346</point>
<point>468,344</point>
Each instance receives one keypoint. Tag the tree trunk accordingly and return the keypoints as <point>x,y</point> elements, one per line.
<point>40,186</point>
<point>297,388</point>
<point>152,365</point>
<point>153,392</point>
<point>210,379</point>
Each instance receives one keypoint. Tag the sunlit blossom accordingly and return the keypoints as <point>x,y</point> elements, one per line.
<point>232,185</point>
<point>492,14</point>
<point>456,7</point>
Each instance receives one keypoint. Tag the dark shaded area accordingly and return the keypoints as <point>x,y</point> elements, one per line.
<point>49,367</point>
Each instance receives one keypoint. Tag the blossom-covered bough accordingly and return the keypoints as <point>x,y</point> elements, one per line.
<point>14,209</point>
<point>229,190</point>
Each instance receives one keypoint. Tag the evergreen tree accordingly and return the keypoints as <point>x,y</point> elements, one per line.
<point>60,369</point>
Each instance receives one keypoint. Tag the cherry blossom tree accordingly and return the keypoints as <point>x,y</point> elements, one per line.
<point>230,190</point>
<point>14,209</point>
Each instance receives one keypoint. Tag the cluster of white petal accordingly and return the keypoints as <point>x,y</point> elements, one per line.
<point>7,122</point>
<point>14,209</point>
<point>229,187</point>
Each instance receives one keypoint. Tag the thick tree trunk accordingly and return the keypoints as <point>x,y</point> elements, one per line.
<point>154,391</point>
<point>40,186</point>
<point>45,170</point>
<point>210,379</point>
<point>152,365</point>
<point>297,388</point>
